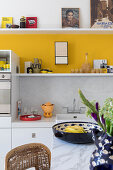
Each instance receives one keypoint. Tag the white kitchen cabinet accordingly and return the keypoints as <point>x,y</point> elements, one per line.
<point>5,145</point>
<point>5,122</point>
<point>21,136</point>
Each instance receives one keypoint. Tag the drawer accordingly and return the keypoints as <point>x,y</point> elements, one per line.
<point>5,122</point>
<point>21,136</point>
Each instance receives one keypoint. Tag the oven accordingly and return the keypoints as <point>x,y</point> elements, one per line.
<point>5,93</point>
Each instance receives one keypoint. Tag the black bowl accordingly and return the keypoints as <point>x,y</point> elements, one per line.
<point>78,138</point>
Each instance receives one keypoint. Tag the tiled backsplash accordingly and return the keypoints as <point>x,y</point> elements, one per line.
<point>61,91</point>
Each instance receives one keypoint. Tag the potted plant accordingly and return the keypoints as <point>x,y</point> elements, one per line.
<point>103,155</point>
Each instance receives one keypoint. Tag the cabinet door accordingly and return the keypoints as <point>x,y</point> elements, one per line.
<point>5,145</point>
<point>21,136</point>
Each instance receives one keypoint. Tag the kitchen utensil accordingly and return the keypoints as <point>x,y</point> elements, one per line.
<point>59,128</point>
<point>30,117</point>
<point>47,108</point>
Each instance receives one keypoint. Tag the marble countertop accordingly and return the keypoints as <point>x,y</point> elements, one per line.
<point>44,122</point>
<point>67,156</point>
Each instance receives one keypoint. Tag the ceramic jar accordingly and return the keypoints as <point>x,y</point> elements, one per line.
<point>102,157</point>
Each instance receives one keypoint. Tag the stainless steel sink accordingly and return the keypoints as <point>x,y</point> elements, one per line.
<point>73,117</point>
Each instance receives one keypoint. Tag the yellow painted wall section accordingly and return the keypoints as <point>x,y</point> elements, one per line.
<point>42,46</point>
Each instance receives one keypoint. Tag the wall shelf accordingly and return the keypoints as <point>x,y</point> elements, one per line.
<point>56,31</point>
<point>67,75</point>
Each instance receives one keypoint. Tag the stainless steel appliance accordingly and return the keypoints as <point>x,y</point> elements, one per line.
<point>5,93</point>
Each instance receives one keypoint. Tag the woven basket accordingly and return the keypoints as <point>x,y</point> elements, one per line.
<point>29,155</point>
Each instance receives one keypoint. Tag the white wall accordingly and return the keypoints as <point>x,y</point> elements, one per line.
<point>47,11</point>
<point>62,90</point>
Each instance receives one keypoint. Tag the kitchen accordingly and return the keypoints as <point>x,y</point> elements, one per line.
<point>59,86</point>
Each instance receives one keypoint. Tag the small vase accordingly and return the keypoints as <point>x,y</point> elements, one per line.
<point>102,157</point>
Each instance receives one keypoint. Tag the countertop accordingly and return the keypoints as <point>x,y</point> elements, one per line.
<point>67,156</point>
<point>44,122</point>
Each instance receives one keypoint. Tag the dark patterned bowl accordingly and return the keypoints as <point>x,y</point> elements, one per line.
<point>82,138</point>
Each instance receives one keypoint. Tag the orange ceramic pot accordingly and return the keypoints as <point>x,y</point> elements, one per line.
<point>47,109</point>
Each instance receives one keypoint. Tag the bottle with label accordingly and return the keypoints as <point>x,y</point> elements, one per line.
<point>22,22</point>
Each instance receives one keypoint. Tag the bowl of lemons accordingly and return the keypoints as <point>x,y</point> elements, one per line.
<point>75,132</point>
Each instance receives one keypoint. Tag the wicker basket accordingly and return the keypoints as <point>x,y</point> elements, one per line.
<point>29,155</point>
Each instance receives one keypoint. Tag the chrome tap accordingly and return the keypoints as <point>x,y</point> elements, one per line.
<point>74,110</point>
<point>74,104</point>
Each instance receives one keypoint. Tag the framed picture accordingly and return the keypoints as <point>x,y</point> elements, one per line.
<point>101,13</point>
<point>70,17</point>
<point>61,52</point>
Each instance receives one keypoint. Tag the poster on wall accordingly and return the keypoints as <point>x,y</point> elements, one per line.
<point>101,13</point>
<point>70,17</point>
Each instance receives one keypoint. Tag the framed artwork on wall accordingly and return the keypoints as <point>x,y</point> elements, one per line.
<point>70,17</point>
<point>101,13</point>
<point>61,52</point>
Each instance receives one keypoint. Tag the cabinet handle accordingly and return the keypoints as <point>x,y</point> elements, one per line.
<point>33,135</point>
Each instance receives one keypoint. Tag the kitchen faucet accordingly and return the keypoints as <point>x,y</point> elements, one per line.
<point>74,108</point>
<point>74,104</point>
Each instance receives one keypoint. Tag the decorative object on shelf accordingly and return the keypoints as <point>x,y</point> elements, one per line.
<point>86,67</point>
<point>50,71</point>
<point>61,52</point>
<point>37,65</point>
<point>29,70</point>
<point>109,69</point>
<point>70,17</point>
<point>7,22</point>
<point>101,13</point>
<point>103,155</point>
<point>100,64</point>
<point>48,109</point>
<point>72,137</point>
<point>22,22</point>
<point>31,22</point>
<point>26,65</point>
<point>30,117</point>
<point>46,71</point>
<point>14,26</point>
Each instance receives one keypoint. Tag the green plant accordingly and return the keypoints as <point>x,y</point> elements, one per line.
<point>103,116</point>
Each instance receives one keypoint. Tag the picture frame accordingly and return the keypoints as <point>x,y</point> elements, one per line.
<point>70,17</point>
<point>101,13</point>
<point>61,52</point>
